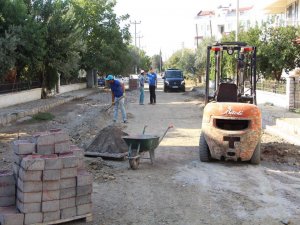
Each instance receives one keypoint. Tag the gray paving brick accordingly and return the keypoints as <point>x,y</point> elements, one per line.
<point>62,147</point>
<point>68,213</point>
<point>23,147</point>
<point>30,175</point>
<point>60,136</point>
<point>84,199</point>
<point>50,206</point>
<point>51,185</point>
<point>67,203</point>
<point>68,173</point>
<point>10,216</point>
<point>84,190</point>
<point>52,162</point>
<point>84,178</point>
<point>51,216</point>
<point>44,138</point>
<point>29,207</point>
<point>29,197</point>
<point>6,177</point>
<point>51,175</point>
<point>7,201</point>
<point>68,183</point>
<point>45,149</point>
<point>33,218</point>
<point>33,162</point>
<point>84,209</point>
<point>30,186</point>
<point>50,195</point>
<point>67,193</point>
<point>69,160</point>
<point>7,190</point>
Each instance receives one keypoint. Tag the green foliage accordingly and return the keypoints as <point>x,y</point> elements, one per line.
<point>43,116</point>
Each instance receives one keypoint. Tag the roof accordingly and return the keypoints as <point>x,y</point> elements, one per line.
<point>206,13</point>
<point>212,12</point>
<point>278,6</point>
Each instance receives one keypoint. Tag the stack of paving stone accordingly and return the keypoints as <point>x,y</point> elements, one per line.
<point>51,181</point>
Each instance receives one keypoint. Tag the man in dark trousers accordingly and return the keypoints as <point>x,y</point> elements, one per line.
<point>152,77</point>
<point>117,93</point>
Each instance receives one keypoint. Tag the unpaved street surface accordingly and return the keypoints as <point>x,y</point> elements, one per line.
<point>178,188</point>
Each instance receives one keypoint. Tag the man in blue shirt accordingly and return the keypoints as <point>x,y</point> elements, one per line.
<point>152,85</point>
<point>117,94</point>
<point>142,82</point>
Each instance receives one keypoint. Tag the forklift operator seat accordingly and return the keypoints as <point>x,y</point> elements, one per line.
<point>227,92</point>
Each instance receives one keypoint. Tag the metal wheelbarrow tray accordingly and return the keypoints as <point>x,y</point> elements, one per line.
<point>138,144</point>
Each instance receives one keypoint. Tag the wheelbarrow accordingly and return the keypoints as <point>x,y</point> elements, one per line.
<point>139,144</point>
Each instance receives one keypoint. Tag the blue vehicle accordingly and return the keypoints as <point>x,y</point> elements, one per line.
<point>101,82</point>
<point>174,80</point>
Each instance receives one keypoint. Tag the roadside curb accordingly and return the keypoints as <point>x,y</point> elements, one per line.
<point>16,114</point>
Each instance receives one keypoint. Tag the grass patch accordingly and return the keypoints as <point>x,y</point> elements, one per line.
<point>43,116</point>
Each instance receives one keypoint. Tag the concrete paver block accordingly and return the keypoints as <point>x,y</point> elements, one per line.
<point>51,185</point>
<point>84,190</point>
<point>68,183</point>
<point>45,149</point>
<point>84,209</point>
<point>50,206</point>
<point>30,186</point>
<point>44,138</point>
<point>50,195</point>
<point>30,175</point>
<point>68,213</point>
<point>62,147</point>
<point>68,173</point>
<point>77,151</point>
<point>18,158</point>
<point>67,203</point>
<point>7,190</point>
<point>30,197</point>
<point>60,136</point>
<point>84,199</point>
<point>10,216</point>
<point>33,162</point>
<point>7,186</point>
<point>51,216</point>
<point>7,201</point>
<point>67,193</point>
<point>84,178</point>
<point>52,162</point>
<point>69,160</point>
<point>23,147</point>
<point>51,175</point>
<point>33,218</point>
<point>29,207</point>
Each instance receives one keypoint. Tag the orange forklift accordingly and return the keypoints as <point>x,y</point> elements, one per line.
<point>231,124</point>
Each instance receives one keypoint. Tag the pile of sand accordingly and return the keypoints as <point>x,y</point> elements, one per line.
<point>109,143</point>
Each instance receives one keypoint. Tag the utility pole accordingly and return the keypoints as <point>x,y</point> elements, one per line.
<point>197,35</point>
<point>135,23</point>
<point>139,37</point>
<point>237,20</point>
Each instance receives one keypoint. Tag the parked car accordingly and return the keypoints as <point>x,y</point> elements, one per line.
<point>174,80</point>
<point>101,82</point>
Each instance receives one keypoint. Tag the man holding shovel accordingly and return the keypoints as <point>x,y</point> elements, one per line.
<point>117,93</point>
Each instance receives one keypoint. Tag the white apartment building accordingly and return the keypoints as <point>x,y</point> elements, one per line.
<point>287,12</point>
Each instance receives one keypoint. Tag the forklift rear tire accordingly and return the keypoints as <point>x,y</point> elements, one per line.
<point>204,150</point>
<point>255,159</point>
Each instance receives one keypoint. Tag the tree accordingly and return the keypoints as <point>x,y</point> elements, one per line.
<point>106,42</point>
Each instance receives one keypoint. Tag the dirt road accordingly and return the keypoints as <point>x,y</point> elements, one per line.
<point>178,189</point>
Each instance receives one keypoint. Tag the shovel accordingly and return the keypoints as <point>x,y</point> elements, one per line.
<point>114,104</point>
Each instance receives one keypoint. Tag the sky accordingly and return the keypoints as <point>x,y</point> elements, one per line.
<point>168,25</point>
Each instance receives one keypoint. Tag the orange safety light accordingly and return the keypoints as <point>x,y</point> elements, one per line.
<point>247,49</point>
<point>216,49</point>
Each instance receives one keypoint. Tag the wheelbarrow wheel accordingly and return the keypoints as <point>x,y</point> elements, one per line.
<point>134,163</point>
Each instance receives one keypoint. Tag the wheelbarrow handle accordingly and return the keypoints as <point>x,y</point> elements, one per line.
<point>169,127</point>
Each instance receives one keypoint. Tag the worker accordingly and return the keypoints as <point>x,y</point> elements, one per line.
<point>118,97</point>
<point>152,86</point>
